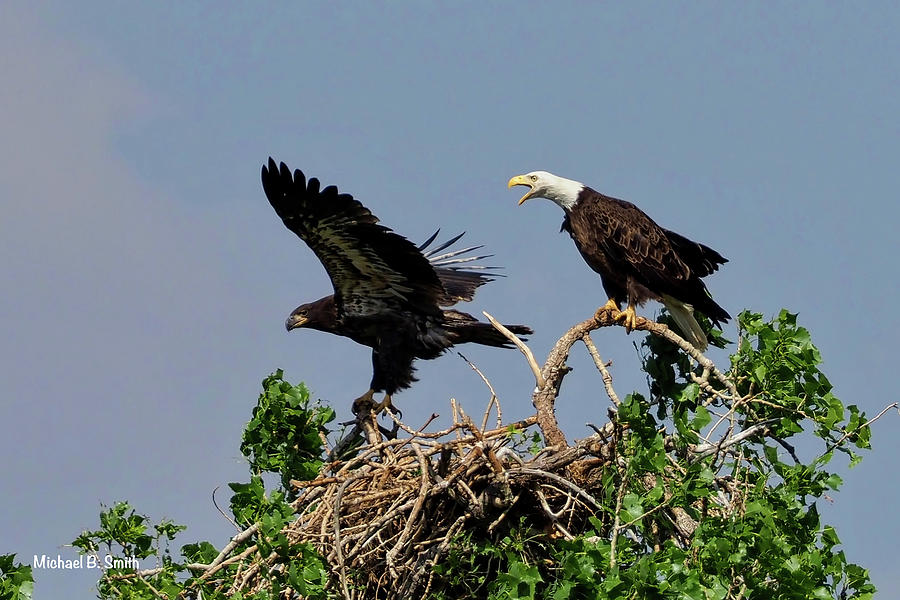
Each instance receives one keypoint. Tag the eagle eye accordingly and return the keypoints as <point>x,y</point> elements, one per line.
<point>534,177</point>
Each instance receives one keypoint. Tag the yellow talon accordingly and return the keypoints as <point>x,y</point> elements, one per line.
<point>629,316</point>
<point>610,305</point>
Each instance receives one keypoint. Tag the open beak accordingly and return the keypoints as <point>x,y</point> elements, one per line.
<point>521,180</point>
<point>295,321</point>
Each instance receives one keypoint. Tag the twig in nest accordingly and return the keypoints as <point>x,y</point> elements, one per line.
<point>368,421</point>
<point>337,531</point>
<point>551,514</point>
<point>562,481</point>
<point>457,423</point>
<point>404,427</point>
<point>494,401</point>
<point>529,356</point>
<point>496,523</point>
<point>345,443</point>
<point>401,546</point>
<point>442,548</point>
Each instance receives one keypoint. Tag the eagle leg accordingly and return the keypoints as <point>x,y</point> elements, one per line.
<point>611,305</point>
<point>364,402</point>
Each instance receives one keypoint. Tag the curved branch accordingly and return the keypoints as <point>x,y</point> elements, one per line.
<point>555,369</point>
<point>529,356</point>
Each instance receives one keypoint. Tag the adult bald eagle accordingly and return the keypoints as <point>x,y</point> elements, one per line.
<point>388,295</point>
<point>637,259</point>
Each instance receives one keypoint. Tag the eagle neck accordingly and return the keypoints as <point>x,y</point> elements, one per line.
<point>565,193</point>
<point>323,315</point>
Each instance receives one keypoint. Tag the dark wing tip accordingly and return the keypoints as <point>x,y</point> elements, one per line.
<point>269,170</point>
<point>446,244</point>
<point>424,244</point>
<point>280,176</point>
<point>520,329</point>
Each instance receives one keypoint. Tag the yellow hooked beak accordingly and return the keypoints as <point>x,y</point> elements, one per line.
<point>521,180</point>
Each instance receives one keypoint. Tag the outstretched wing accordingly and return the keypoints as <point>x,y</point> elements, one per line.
<point>371,268</point>
<point>459,277</point>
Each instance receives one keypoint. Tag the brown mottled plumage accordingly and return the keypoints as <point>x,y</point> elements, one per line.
<point>637,259</point>
<point>388,293</point>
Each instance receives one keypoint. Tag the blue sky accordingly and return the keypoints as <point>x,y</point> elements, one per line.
<point>146,279</point>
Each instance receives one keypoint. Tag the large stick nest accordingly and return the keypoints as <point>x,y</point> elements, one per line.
<point>387,516</point>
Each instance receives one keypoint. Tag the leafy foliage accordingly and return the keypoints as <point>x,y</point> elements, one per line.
<point>16,580</point>
<point>781,376</point>
<point>283,436</point>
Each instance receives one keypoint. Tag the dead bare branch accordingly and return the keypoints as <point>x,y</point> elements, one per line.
<point>601,366</point>
<point>494,401</point>
<point>529,356</point>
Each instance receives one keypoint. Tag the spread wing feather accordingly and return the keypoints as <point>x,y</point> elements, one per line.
<point>460,282</point>
<point>371,268</point>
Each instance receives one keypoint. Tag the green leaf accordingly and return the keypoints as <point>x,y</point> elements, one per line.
<point>631,503</point>
<point>202,552</point>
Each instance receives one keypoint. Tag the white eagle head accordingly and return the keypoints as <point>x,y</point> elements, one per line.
<point>560,190</point>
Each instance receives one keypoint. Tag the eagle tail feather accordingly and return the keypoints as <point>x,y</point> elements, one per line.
<point>464,329</point>
<point>486,335</point>
<point>683,315</point>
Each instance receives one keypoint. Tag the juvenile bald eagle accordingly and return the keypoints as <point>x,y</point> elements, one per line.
<point>637,259</point>
<point>388,295</point>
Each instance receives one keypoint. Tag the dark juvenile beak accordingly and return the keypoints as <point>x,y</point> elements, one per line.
<point>294,321</point>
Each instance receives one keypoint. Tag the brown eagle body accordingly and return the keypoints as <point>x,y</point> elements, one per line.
<point>389,294</point>
<point>637,260</point>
